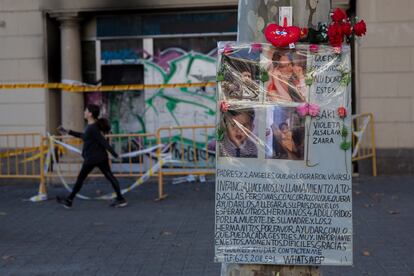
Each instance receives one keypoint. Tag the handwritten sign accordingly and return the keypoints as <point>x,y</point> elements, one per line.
<point>283,181</point>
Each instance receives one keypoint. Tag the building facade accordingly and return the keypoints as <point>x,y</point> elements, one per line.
<point>124,42</point>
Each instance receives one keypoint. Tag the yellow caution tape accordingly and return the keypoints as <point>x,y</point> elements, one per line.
<point>102,88</point>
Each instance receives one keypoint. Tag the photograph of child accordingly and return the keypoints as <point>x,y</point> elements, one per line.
<point>239,137</point>
<point>286,70</point>
<point>241,76</point>
<point>285,134</point>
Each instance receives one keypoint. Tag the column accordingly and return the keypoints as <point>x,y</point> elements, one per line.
<point>72,104</point>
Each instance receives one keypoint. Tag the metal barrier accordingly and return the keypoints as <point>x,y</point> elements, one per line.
<point>363,139</point>
<point>22,156</point>
<point>189,145</point>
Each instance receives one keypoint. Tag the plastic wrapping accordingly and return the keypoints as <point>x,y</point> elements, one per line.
<point>283,179</point>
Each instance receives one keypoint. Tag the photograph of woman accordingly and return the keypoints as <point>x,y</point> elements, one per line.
<point>285,134</point>
<point>286,76</point>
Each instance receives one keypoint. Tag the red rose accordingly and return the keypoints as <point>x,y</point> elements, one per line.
<point>342,112</point>
<point>335,34</point>
<point>360,28</point>
<point>334,29</point>
<point>338,15</point>
<point>346,28</point>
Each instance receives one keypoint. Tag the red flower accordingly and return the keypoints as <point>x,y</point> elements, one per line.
<point>346,28</point>
<point>256,46</point>
<point>338,15</point>
<point>228,50</point>
<point>335,34</point>
<point>314,48</point>
<point>334,29</point>
<point>224,106</point>
<point>342,112</point>
<point>360,28</point>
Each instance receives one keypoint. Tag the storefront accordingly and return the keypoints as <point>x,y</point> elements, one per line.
<point>159,48</point>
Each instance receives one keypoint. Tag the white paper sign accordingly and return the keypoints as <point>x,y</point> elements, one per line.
<point>283,179</point>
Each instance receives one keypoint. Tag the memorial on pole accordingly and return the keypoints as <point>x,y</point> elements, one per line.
<point>283,174</point>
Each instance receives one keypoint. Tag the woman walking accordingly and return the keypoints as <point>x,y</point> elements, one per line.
<point>94,153</point>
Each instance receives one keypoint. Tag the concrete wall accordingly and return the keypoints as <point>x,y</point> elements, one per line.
<point>386,78</point>
<point>22,60</point>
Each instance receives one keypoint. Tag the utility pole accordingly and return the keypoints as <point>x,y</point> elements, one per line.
<point>254,16</point>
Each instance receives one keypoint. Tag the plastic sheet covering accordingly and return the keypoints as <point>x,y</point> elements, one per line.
<point>283,180</point>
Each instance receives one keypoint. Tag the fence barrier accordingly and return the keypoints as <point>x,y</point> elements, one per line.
<point>27,155</point>
<point>363,139</point>
<point>192,146</point>
<point>22,157</point>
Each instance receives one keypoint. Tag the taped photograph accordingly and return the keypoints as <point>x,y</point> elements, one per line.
<point>285,134</point>
<point>240,137</point>
<point>287,70</point>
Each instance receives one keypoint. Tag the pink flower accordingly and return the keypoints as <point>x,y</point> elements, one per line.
<point>314,48</point>
<point>302,109</point>
<point>224,106</point>
<point>308,109</point>
<point>314,110</point>
<point>337,49</point>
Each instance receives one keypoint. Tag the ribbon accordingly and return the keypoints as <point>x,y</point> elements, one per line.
<point>164,159</point>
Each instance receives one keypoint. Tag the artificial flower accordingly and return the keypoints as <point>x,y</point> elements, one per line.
<point>346,28</point>
<point>360,28</point>
<point>314,48</point>
<point>228,50</point>
<point>224,106</point>
<point>256,46</point>
<point>342,112</point>
<point>314,110</point>
<point>308,109</point>
<point>338,15</point>
<point>335,34</point>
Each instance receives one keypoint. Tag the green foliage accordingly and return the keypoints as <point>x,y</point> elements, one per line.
<point>220,134</point>
<point>345,145</point>
<point>344,132</point>
<point>264,76</point>
<point>220,76</point>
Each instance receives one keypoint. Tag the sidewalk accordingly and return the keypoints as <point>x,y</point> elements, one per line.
<point>175,236</point>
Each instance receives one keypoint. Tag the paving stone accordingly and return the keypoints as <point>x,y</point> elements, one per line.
<point>175,236</point>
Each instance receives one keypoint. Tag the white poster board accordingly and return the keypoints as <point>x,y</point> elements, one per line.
<point>283,176</point>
